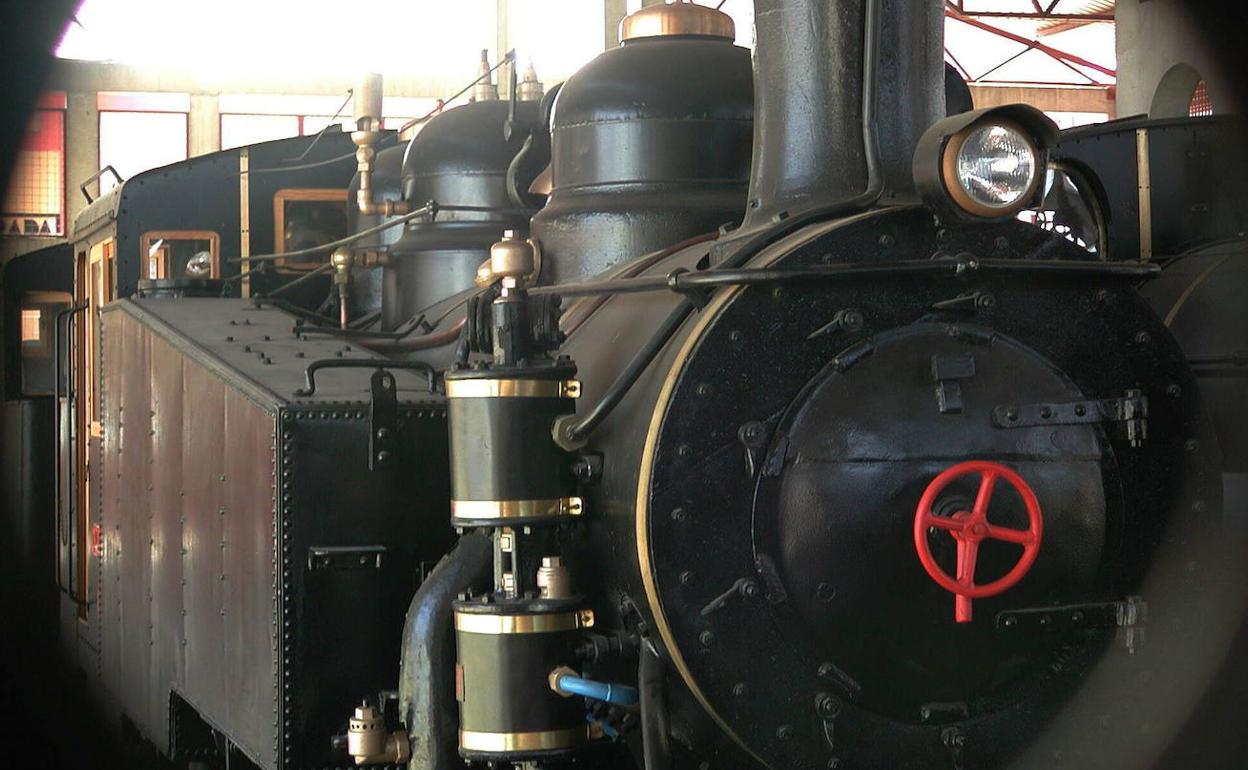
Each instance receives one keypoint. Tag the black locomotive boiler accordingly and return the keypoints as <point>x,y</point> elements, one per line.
<point>875,479</point>
<point>773,426</point>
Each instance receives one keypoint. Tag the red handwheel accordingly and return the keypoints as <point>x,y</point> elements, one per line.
<point>970,528</point>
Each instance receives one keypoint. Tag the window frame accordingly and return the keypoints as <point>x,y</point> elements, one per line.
<point>148,238</point>
<point>141,103</point>
<point>297,195</point>
<point>55,102</point>
<point>46,322</point>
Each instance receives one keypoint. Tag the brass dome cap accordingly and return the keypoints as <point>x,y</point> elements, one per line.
<point>679,18</point>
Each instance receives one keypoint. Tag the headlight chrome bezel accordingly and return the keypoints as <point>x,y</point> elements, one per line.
<point>962,197</point>
<point>936,158</point>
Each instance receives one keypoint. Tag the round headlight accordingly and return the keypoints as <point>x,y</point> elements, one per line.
<point>991,170</point>
<point>199,265</point>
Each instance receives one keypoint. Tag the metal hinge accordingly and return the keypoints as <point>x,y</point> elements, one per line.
<point>1128,616</point>
<point>1128,414</point>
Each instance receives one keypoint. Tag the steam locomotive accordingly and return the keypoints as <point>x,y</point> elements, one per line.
<point>767,415</point>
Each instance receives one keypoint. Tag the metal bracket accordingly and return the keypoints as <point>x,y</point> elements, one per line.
<point>1128,616</point>
<point>848,320</point>
<point>106,170</point>
<point>969,302</point>
<point>753,435</point>
<point>947,371</point>
<point>744,587</point>
<point>309,374</point>
<point>697,296</point>
<point>773,463</point>
<point>954,741</point>
<point>383,418</point>
<point>345,557</point>
<point>1129,414</point>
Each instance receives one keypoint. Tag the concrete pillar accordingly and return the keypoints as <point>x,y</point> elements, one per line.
<point>82,150</point>
<point>204,124</point>
<point>502,25</point>
<point>1159,39</point>
<point>613,12</point>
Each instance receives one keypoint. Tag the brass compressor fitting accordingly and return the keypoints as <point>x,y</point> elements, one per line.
<point>514,260</point>
<point>342,259</point>
<point>369,743</point>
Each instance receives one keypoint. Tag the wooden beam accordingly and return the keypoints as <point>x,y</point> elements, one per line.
<point>1046,98</point>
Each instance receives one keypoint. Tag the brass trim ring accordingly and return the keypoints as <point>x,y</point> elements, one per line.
<point>498,625</point>
<point>479,510</point>
<point>707,316</point>
<point>472,740</point>
<point>518,388</point>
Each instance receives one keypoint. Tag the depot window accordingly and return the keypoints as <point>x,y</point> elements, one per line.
<point>37,318</point>
<point>34,204</point>
<point>253,118</point>
<point>141,131</point>
<point>31,333</point>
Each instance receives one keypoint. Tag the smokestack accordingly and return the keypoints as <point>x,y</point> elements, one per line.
<point>808,99</point>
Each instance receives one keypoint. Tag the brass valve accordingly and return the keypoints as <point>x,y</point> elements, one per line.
<point>342,259</point>
<point>513,260</point>
<point>369,743</point>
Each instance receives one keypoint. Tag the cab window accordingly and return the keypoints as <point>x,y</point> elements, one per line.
<point>166,252</point>
<point>307,218</point>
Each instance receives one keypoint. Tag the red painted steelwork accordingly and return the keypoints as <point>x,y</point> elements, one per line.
<point>1055,53</point>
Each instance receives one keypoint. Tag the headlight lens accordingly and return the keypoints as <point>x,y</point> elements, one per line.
<point>199,265</point>
<point>996,166</point>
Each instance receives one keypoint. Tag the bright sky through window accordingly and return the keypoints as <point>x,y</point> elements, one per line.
<point>437,39</point>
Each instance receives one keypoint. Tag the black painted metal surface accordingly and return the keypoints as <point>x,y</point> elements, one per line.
<point>1198,194</point>
<point>203,193</point>
<point>48,270</point>
<point>460,157</point>
<point>501,448</point>
<point>506,685</point>
<point>650,146</point>
<point>835,530</point>
<point>1197,201</point>
<point>808,92</point>
<point>27,497</point>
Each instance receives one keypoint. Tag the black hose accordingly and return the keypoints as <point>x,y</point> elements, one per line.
<point>654,723</point>
<point>404,330</point>
<point>427,666</point>
<point>577,431</point>
<point>461,347</point>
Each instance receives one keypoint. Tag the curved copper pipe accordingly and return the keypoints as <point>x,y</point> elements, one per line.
<point>423,342</point>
